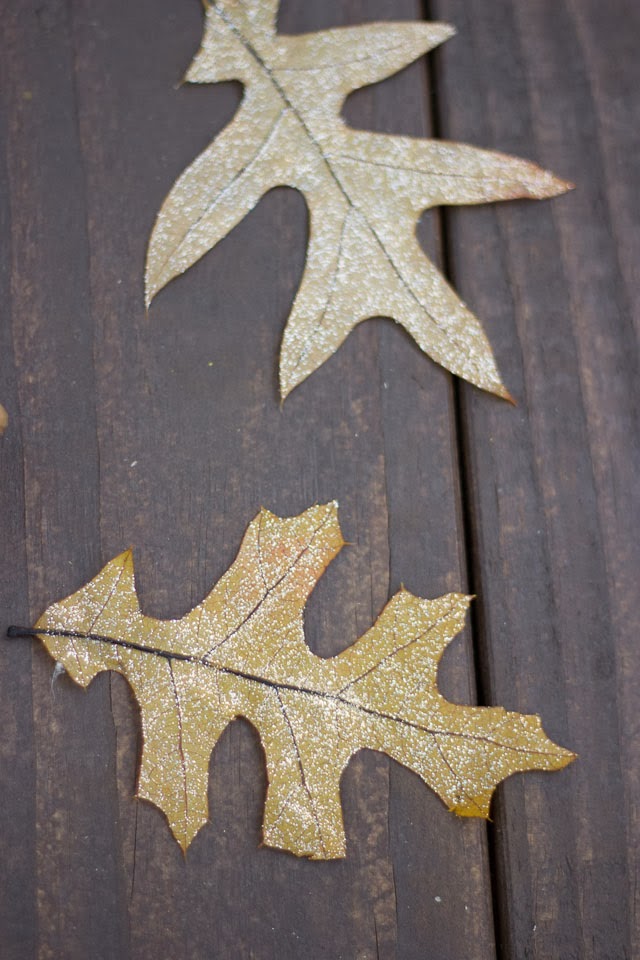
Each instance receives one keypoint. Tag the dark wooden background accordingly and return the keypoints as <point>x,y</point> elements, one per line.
<point>165,432</point>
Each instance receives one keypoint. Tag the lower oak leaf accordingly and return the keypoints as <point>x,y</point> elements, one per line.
<point>242,652</point>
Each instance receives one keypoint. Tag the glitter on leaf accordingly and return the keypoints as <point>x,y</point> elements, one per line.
<point>365,191</point>
<point>242,652</point>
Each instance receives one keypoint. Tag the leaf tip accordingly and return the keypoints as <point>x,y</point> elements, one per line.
<point>456,604</point>
<point>125,558</point>
<point>285,389</point>
<point>264,514</point>
<point>445,31</point>
<point>333,509</point>
<point>290,375</point>
<point>544,184</point>
<point>149,294</point>
<point>122,566</point>
<point>558,757</point>
<point>558,186</point>
<point>460,601</point>
<point>431,34</point>
<point>501,391</point>
<point>566,757</point>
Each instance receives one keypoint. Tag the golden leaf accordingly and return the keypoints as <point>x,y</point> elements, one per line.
<point>242,652</point>
<point>365,191</point>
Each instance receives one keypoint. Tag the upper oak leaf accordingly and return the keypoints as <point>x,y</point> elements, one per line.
<point>365,191</point>
<point>242,652</point>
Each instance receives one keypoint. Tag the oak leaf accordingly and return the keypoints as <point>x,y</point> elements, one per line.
<point>242,652</point>
<point>365,191</point>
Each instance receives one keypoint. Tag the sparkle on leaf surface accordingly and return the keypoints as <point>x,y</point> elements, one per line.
<point>242,652</point>
<point>365,191</point>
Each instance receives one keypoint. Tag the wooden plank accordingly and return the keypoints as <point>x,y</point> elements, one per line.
<point>59,784</point>
<point>17,791</point>
<point>552,483</point>
<point>165,433</point>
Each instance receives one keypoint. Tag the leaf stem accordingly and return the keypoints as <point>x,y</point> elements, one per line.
<point>14,633</point>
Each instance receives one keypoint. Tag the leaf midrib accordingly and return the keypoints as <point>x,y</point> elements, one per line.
<point>283,94</point>
<point>171,655</point>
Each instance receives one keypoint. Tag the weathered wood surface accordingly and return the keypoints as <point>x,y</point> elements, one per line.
<point>165,432</point>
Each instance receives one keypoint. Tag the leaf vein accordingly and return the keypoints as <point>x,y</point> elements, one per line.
<point>268,591</point>
<point>222,193</point>
<point>303,691</point>
<point>303,777</point>
<point>283,94</point>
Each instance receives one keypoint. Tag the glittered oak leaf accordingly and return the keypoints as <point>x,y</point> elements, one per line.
<point>365,191</point>
<point>242,652</point>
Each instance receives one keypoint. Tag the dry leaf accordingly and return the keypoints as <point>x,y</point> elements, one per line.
<point>242,652</point>
<point>4,419</point>
<point>365,191</point>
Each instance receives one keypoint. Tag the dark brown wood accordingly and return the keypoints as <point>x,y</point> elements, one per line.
<point>552,486</point>
<point>165,432</point>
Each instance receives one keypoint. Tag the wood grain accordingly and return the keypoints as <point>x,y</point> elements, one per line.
<point>551,487</point>
<point>165,432</point>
